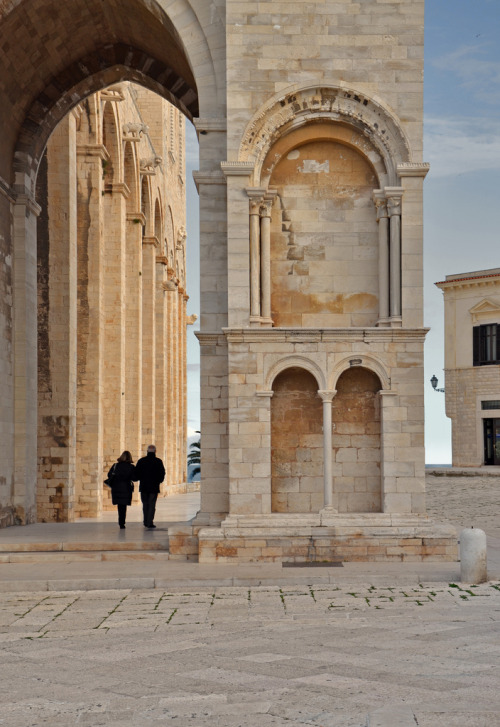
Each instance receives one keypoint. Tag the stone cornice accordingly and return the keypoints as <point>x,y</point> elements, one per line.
<point>210,339</point>
<point>151,240</point>
<point>312,335</point>
<point>202,125</point>
<point>136,217</point>
<point>26,201</point>
<point>413,169</point>
<point>93,150</point>
<point>468,282</point>
<point>208,178</point>
<point>237,169</point>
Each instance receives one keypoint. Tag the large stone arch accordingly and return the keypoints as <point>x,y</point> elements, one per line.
<point>54,56</point>
<point>301,105</point>
<point>97,44</point>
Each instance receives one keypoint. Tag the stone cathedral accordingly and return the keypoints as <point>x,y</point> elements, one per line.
<point>309,119</point>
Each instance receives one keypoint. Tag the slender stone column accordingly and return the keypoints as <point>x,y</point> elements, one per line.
<point>161,372</point>
<point>25,213</point>
<point>150,246</point>
<point>57,340</point>
<point>265,257</point>
<point>133,336</point>
<point>256,198</point>
<point>383,256</point>
<point>388,483</point>
<point>394,196</point>
<point>90,332</point>
<point>327,397</point>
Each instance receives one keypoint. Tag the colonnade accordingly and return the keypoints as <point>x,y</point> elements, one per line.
<point>112,374</point>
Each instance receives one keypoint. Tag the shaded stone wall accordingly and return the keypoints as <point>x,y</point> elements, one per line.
<point>296,443</point>
<point>356,442</point>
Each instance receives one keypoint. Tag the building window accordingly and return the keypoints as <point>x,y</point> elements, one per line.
<point>486,344</point>
<point>492,404</point>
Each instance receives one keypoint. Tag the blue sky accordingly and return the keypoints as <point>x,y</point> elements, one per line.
<point>462,190</point>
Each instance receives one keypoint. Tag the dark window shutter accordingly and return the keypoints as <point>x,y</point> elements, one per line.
<point>476,345</point>
<point>498,342</point>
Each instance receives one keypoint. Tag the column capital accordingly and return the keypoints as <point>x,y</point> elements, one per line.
<point>151,240</point>
<point>162,259</point>
<point>265,394</point>
<point>326,396</point>
<point>394,196</point>
<point>380,202</point>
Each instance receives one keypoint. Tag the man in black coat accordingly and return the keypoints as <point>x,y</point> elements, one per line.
<point>150,472</point>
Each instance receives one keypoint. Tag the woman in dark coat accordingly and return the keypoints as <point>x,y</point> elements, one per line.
<point>121,475</point>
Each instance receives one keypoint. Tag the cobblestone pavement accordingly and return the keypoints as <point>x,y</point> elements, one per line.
<point>319,655</point>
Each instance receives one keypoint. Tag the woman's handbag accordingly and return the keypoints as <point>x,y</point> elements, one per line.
<point>109,481</point>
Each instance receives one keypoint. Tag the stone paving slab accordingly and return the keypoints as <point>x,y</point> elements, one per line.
<point>322,655</point>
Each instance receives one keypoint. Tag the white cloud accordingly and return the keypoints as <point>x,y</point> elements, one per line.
<point>456,146</point>
<point>478,74</point>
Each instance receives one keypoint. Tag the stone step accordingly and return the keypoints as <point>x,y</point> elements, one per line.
<point>79,556</point>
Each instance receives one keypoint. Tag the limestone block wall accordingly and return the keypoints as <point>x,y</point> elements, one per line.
<point>466,388</point>
<point>376,48</point>
<point>381,467</point>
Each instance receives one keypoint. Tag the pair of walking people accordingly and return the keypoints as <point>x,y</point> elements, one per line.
<point>150,473</point>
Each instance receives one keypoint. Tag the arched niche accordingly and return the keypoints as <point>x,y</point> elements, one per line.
<point>131,177</point>
<point>112,145</point>
<point>146,204</point>
<point>356,441</point>
<point>324,236</point>
<point>158,220</point>
<point>296,443</point>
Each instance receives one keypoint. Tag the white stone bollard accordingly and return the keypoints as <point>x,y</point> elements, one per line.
<point>473,556</point>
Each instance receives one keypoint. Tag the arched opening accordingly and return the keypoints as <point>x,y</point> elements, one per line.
<point>111,316</point>
<point>356,441</point>
<point>324,237</point>
<point>296,443</point>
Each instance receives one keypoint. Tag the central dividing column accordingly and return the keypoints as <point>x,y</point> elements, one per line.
<point>265,258</point>
<point>327,398</point>
<point>394,195</point>
<point>256,198</point>
<point>383,256</point>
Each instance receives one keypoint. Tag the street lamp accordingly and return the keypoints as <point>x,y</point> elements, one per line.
<point>434,382</point>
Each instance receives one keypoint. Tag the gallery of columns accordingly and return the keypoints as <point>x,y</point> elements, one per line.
<point>310,182</point>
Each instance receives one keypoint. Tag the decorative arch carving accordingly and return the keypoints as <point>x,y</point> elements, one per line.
<point>306,105</point>
<point>301,362</point>
<point>363,361</point>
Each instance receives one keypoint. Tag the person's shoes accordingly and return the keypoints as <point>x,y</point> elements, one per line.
<point>151,527</point>
<point>122,527</point>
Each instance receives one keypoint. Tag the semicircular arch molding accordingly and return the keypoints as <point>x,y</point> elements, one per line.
<point>365,361</point>
<point>301,362</point>
<point>306,105</point>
